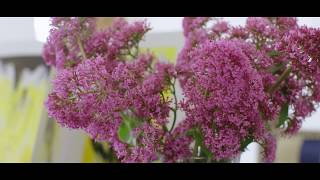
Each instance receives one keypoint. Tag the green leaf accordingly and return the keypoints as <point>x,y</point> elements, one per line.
<point>129,122</point>
<point>124,132</point>
<point>198,138</point>
<point>244,143</point>
<point>206,152</point>
<point>283,116</point>
<point>277,67</point>
<point>273,53</point>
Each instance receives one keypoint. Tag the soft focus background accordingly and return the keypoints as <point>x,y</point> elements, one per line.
<point>28,135</point>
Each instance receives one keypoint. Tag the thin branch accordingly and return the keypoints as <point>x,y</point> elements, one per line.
<point>81,48</point>
<point>162,96</point>
<point>175,105</point>
<point>282,77</point>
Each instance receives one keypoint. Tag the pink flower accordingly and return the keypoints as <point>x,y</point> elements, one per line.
<point>270,146</point>
<point>220,27</point>
<point>223,92</point>
<point>235,81</point>
<point>192,23</point>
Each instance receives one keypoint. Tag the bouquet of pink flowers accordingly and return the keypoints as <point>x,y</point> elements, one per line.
<point>238,83</point>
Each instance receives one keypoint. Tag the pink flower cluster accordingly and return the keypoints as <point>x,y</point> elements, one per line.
<point>94,93</point>
<point>63,49</point>
<point>224,96</point>
<point>238,85</point>
<point>301,46</point>
<point>282,59</point>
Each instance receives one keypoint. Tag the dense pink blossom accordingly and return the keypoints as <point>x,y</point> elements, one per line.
<point>273,45</point>
<point>259,25</point>
<point>301,46</point>
<point>117,40</point>
<point>237,83</point>
<point>62,48</point>
<point>191,24</point>
<point>220,27</point>
<point>177,145</point>
<point>239,32</point>
<point>93,93</point>
<point>286,23</point>
<point>224,92</point>
<point>269,148</point>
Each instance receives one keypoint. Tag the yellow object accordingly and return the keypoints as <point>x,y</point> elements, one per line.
<point>89,154</point>
<point>20,113</point>
<point>169,53</point>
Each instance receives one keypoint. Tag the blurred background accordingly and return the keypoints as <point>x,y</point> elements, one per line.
<point>28,135</point>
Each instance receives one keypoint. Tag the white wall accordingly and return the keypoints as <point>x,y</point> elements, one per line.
<point>17,37</point>
<point>16,29</point>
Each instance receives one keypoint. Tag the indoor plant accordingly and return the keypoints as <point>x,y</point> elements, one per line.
<point>238,85</point>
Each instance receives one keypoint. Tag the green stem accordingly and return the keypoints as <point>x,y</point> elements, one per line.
<point>282,77</point>
<point>175,105</point>
<point>81,48</point>
<point>162,96</point>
